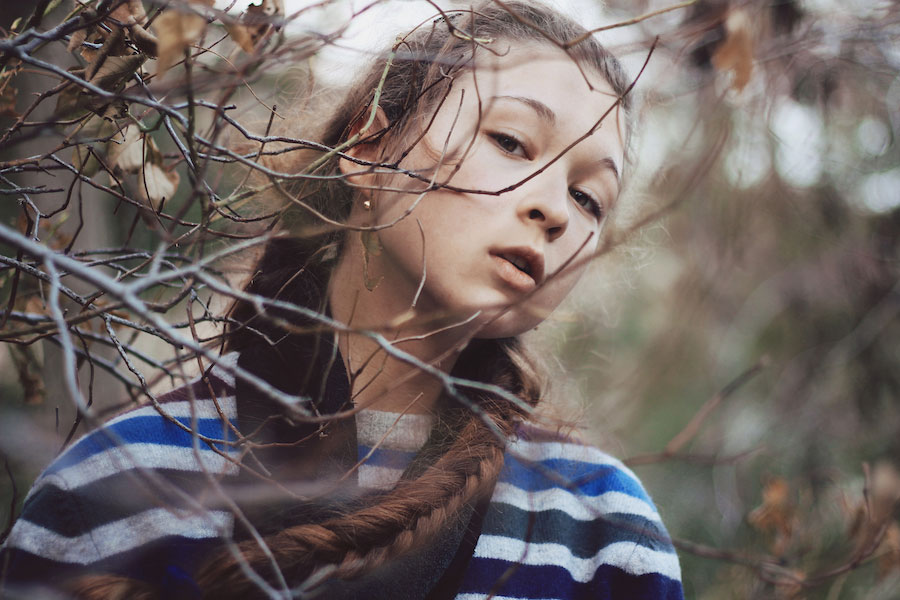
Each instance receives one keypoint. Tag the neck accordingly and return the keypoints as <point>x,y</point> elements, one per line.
<point>379,378</point>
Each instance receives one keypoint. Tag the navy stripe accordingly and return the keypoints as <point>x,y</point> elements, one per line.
<point>386,457</point>
<point>486,575</point>
<point>118,496</point>
<point>583,538</point>
<point>588,479</point>
<point>164,563</point>
<point>152,429</point>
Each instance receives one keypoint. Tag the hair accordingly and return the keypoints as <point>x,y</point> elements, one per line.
<point>470,460</point>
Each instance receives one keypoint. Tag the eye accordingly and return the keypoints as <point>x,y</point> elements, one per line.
<point>587,202</point>
<point>509,144</point>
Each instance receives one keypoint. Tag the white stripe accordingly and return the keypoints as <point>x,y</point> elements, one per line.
<point>628,556</point>
<point>224,368</point>
<point>134,456</point>
<point>538,451</point>
<point>407,432</point>
<point>118,536</point>
<point>203,409</point>
<point>581,508</point>
<point>381,478</point>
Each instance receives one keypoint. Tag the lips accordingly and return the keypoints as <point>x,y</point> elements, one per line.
<point>520,262</point>
<point>521,267</point>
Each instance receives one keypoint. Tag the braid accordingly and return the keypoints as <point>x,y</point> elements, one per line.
<point>417,509</point>
<point>111,587</point>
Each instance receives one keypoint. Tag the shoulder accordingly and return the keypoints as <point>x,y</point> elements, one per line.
<point>541,460</point>
<point>129,484</point>
<point>578,522</point>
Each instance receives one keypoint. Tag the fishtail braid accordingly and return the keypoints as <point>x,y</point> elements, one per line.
<point>408,516</point>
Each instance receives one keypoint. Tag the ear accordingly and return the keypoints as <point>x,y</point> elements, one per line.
<point>372,151</point>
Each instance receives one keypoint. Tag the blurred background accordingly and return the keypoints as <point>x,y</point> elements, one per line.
<point>739,347</point>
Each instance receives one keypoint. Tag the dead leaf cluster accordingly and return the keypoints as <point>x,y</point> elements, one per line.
<point>776,515</point>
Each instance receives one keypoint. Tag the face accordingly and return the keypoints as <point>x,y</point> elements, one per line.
<point>513,256</point>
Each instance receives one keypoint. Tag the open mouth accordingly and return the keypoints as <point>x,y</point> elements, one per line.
<point>520,262</point>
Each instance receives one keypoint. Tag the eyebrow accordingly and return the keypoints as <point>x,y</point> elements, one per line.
<point>543,111</point>
<point>547,114</point>
<point>611,165</point>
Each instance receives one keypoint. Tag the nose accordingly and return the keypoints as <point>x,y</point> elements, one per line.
<point>547,206</point>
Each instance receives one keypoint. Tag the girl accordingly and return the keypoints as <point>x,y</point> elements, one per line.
<point>366,431</point>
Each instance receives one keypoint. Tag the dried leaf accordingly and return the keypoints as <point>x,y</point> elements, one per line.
<point>259,20</point>
<point>28,367</point>
<point>70,102</point>
<point>371,243</point>
<point>776,514</point>
<point>371,247</point>
<point>126,152</point>
<point>88,53</point>
<point>8,94</point>
<point>156,185</point>
<point>123,13</point>
<point>84,160</point>
<point>736,53</point>
<point>136,7</point>
<point>175,31</point>
<point>116,70</point>
<point>77,39</point>
<point>144,40</point>
<point>890,559</point>
<point>242,36</point>
<point>885,491</point>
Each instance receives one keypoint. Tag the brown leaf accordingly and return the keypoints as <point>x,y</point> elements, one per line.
<point>144,40</point>
<point>242,36</point>
<point>126,150</point>
<point>267,9</point>
<point>116,70</point>
<point>736,53</point>
<point>28,367</point>
<point>84,160</point>
<point>122,13</point>
<point>155,185</point>
<point>77,39</point>
<point>885,491</point>
<point>8,94</point>
<point>90,54</point>
<point>776,513</point>
<point>70,102</point>
<point>260,19</point>
<point>889,562</point>
<point>136,8</point>
<point>371,247</point>
<point>175,31</point>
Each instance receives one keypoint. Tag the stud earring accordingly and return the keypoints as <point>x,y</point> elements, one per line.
<point>367,204</point>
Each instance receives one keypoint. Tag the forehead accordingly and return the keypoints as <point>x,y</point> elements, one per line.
<point>573,98</point>
<point>515,60</point>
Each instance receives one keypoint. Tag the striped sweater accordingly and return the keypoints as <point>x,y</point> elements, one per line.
<point>147,496</point>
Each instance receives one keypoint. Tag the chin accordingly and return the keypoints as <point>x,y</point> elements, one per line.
<point>506,321</point>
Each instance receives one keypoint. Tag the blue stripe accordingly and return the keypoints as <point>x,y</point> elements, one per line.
<point>151,429</point>
<point>584,478</point>
<point>386,457</point>
<point>588,479</point>
<point>553,581</point>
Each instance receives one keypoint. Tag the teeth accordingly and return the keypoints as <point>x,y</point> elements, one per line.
<point>519,262</point>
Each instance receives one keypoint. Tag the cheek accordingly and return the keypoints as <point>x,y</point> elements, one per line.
<point>568,273</point>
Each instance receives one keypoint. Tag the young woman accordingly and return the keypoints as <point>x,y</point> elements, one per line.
<point>366,433</point>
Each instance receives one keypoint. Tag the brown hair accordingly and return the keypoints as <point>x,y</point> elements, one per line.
<point>470,460</point>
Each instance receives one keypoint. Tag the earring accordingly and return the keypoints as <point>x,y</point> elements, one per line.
<point>367,204</point>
